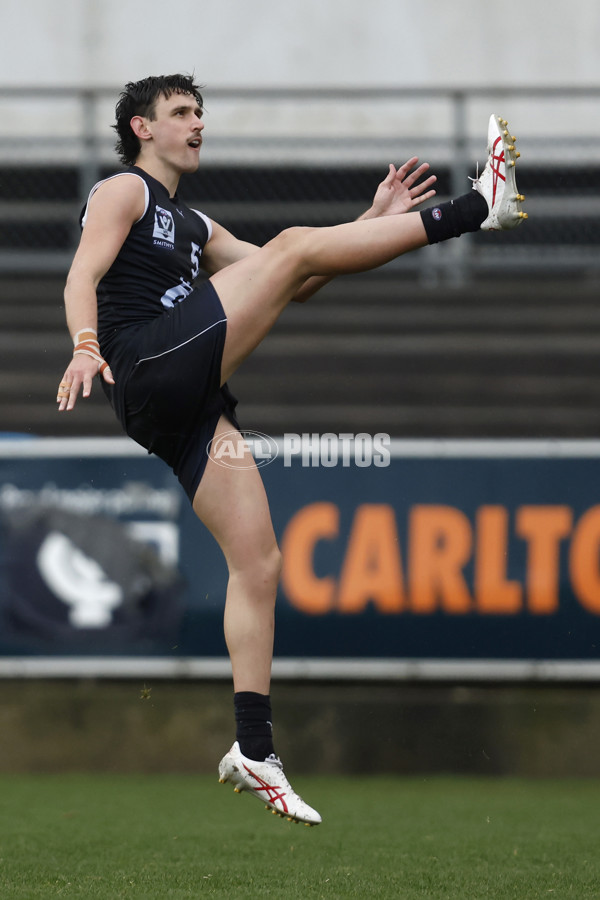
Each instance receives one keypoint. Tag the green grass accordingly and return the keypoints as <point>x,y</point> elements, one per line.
<point>177,836</point>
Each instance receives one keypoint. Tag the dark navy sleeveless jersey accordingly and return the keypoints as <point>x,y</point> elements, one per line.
<point>157,265</point>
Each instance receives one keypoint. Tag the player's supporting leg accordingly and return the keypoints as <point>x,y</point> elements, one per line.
<point>232,503</point>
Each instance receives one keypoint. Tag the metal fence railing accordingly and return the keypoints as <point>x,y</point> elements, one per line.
<point>279,156</point>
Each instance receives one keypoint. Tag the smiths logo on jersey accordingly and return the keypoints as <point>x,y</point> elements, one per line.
<point>164,228</point>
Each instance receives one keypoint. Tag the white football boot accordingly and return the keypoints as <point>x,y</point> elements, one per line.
<point>266,780</point>
<point>497,183</point>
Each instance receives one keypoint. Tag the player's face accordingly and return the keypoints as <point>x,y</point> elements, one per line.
<point>177,131</point>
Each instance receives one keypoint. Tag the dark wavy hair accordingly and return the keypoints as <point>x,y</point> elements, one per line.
<point>138,98</point>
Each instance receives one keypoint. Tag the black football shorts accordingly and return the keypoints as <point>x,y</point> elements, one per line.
<point>172,398</point>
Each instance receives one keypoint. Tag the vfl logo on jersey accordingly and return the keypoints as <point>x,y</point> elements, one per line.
<point>164,228</point>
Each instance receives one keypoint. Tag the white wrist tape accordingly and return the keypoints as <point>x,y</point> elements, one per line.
<point>87,345</point>
<point>85,333</point>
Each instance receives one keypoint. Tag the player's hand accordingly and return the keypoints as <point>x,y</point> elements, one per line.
<point>401,191</point>
<point>79,375</point>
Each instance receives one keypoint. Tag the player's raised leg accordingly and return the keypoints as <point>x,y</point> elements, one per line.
<point>255,290</point>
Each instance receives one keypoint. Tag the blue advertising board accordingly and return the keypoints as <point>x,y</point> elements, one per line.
<point>448,552</point>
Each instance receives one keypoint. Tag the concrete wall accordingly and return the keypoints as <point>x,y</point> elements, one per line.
<point>89,726</point>
<point>300,42</point>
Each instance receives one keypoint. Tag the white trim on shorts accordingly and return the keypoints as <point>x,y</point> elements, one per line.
<point>179,346</point>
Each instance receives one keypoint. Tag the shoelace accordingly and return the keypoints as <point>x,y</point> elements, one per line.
<point>476,179</point>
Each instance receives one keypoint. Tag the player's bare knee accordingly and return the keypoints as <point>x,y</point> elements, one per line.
<point>292,236</point>
<point>258,567</point>
<point>294,243</point>
<point>268,567</point>
<point>276,562</point>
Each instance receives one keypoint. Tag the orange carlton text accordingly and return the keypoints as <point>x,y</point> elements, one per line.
<point>441,541</point>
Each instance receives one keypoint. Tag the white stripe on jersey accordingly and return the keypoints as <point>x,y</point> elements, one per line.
<point>206,221</point>
<point>110,177</point>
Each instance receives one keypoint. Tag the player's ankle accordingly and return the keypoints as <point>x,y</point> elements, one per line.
<point>254,728</point>
<point>456,217</point>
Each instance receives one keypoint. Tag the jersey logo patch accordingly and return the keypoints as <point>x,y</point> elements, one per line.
<point>164,227</point>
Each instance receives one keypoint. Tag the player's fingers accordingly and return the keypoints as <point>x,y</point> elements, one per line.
<point>416,174</point>
<point>416,201</point>
<point>424,185</point>
<point>62,392</point>
<point>389,178</point>
<point>108,375</point>
<point>73,394</point>
<point>408,165</point>
<point>63,395</point>
<point>87,388</point>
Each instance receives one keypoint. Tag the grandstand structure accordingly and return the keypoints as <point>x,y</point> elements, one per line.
<point>489,336</point>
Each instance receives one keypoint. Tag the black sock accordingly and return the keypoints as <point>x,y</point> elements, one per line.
<point>254,729</point>
<point>454,218</point>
